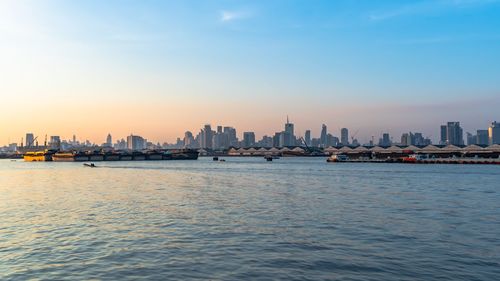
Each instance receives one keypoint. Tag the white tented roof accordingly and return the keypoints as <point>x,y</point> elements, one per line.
<point>451,147</point>
<point>494,147</point>
<point>331,149</point>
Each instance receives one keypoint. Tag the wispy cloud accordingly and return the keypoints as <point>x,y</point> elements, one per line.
<point>228,16</point>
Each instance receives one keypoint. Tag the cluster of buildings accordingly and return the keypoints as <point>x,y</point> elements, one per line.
<point>225,137</point>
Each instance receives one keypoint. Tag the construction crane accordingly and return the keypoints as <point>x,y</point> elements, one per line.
<point>354,135</point>
<point>32,142</point>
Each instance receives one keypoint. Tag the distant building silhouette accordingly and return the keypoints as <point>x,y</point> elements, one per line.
<point>248,139</point>
<point>135,142</point>
<point>452,133</point>
<point>344,136</point>
<point>323,136</point>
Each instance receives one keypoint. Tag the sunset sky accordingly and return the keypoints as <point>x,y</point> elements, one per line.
<point>159,68</point>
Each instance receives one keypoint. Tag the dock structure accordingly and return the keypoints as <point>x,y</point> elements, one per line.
<point>375,152</point>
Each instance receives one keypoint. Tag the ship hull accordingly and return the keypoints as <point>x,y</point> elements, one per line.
<point>37,158</point>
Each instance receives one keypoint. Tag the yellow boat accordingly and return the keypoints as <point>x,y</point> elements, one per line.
<point>37,156</point>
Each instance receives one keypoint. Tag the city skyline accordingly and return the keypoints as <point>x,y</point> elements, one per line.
<point>159,68</point>
<point>223,137</point>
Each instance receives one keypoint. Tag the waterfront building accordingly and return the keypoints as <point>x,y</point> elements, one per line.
<point>344,136</point>
<point>248,139</point>
<point>136,142</point>
<point>494,133</point>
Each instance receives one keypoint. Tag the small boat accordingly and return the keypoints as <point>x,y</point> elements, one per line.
<point>268,158</point>
<point>215,158</point>
<point>338,158</point>
<point>91,165</point>
<point>222,160</point>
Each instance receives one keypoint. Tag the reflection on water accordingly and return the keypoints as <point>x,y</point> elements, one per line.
<point>293,218</point>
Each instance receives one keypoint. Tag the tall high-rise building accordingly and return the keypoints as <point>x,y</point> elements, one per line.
<point>231,134</point>
<point>323,136</point>
<point>494,133</point>
<point>135,142</point>
<point>406,139</point>
<point>307,137</point>
<point>189,140</point>
<point>344,136</point>
<point>207,136</point>
<point>248,139</point>
<point>276,139</point>
<point>444,135</point>
<point>471,139</point>
<point>30,140</point>
<point>55,142</point>
<point>482,137</point>
<point>288,136</point>
<point>454,134</point>
<point>109,141</point>
<point>385,140</point>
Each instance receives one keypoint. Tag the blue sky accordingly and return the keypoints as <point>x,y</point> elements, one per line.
<point>371,65</point>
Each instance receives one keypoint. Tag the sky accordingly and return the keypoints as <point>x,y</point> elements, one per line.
<point>159,68</point>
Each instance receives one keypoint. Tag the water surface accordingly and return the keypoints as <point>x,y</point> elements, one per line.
<point>290,219</point>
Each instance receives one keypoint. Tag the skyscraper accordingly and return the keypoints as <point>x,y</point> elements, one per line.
<point>454,134</point>
<point>135,142</point>
<point>207,136</point>
<point>55,142</point>
<point>482,137</point>
<point>288,134</point>
<point>248,139</point>
<point>323,139</point>
<point>494,133</point>
<point>344,136</point>
<point>109,141</point>
<point>385,140</point>
<point>30,140</point>
<point>189,139</point>
<point>443,139</point>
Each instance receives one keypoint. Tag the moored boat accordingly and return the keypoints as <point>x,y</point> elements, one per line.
<point>338,158</point>
<point>38,156</point>
<point>69,156</point>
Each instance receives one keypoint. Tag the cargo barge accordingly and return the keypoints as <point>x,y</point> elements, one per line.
<point>97,156</point>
